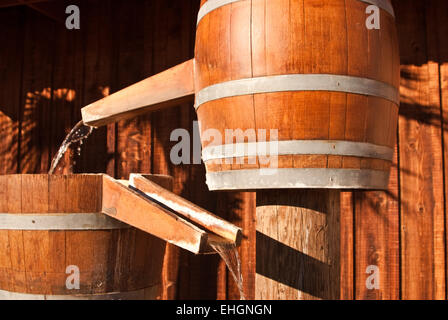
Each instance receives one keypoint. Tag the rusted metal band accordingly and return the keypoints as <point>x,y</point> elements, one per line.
<point>148,293</point>
<point>212,5</point>
<point>298,82</point>
<point>298,147</point>
<point>59,221</point>
<point>297,178</point>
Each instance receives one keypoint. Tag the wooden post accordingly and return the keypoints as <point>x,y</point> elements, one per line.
<point>298,234</point>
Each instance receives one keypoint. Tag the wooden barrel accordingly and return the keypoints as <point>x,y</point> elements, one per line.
<point>52,230</point>
<point>304,80</point>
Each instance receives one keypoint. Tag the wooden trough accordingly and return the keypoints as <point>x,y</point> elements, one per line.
<point>322,87</point>
<point>53,225</point>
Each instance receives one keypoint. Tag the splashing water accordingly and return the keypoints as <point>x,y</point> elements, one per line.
<point>229,253</point>
<point>78,134</point>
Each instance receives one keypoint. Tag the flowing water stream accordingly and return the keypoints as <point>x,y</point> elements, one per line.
<point>78,134</point>
<point>229,253</point>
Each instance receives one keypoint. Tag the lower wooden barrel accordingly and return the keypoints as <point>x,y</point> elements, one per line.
<point>297,94</point>
<point>56,244</point>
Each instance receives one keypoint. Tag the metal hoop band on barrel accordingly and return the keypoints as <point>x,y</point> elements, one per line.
<point>212,5</point>
<point>292,178</point>
<point>298,82</point>
<point>132,295</point>
<point>61,221</point>
<point>298,147</point>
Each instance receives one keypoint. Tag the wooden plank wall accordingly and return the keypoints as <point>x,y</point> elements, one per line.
<point>403,231</point>
<point>47,73</point>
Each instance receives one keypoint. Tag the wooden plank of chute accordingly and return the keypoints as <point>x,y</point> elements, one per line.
<point>134,208</point>
<point>163,90</point>
<point>128,206</point>
<point>188,210</point>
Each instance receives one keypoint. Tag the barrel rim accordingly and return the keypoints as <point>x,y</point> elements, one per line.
<point>126,295</point>
<point>212,5</point>
<point>298,178</point>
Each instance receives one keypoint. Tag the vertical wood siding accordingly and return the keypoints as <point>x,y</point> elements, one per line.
<point>47,73</point>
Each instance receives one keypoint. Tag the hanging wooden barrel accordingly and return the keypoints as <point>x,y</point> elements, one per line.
<point>307,77</point>
<point>51,228</point>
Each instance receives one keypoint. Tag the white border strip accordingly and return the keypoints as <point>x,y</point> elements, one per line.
<point>131,295</point>
<point>298,147</point>
<point>296,178</point>
<point>298,82</point>
<point>59,221</point>
<point>212,5</point>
